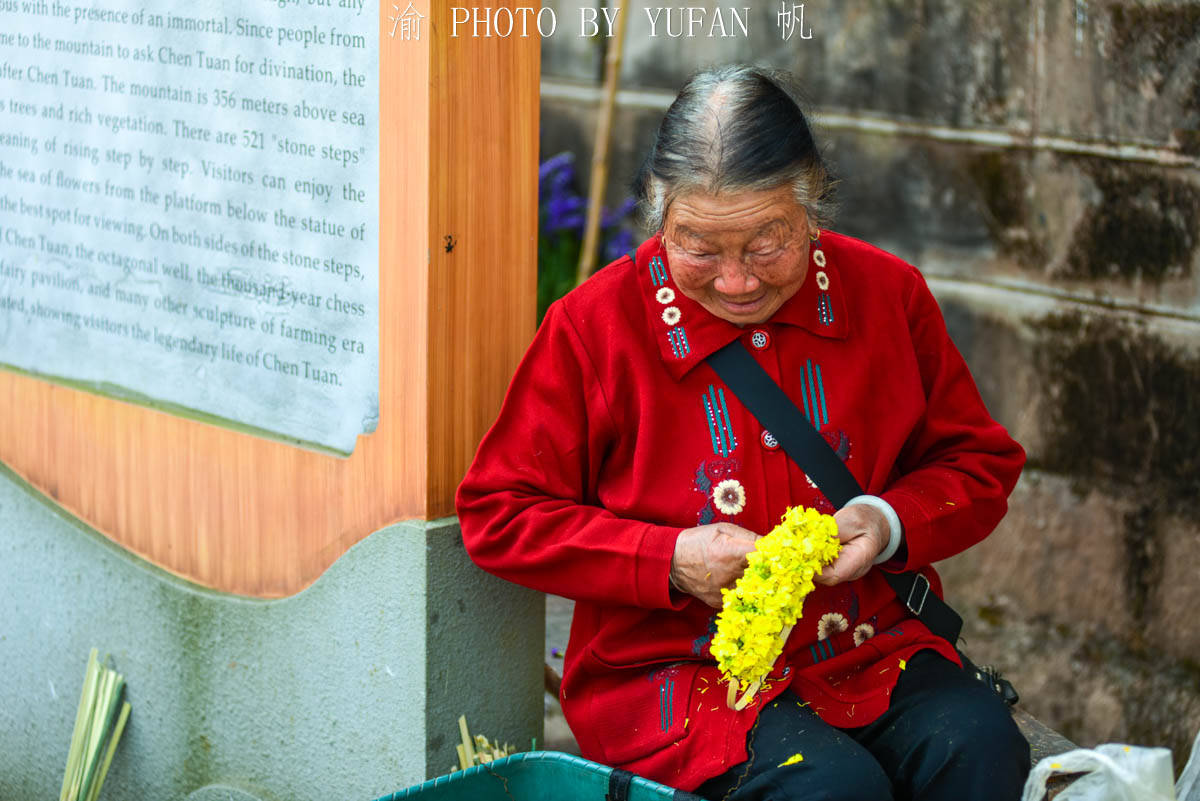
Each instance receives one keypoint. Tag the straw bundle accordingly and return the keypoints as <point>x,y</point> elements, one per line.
<point>98,727</point>
<point>478,750</point>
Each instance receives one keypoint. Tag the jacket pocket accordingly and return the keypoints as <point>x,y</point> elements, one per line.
<point>636,710</point>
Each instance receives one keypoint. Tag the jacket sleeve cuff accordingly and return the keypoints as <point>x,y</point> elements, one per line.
<point>915,521</point>
<point>653,569</point>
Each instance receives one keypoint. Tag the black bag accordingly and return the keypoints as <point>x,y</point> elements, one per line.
<point>809,450</point>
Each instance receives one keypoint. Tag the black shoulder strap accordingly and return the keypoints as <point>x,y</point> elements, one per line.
<point>619,782</point>
<point>779,415</point>
<point>771,406</point>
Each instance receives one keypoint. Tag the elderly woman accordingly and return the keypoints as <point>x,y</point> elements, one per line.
<point>624,473</point>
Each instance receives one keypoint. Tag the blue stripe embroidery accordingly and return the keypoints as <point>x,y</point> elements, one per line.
<point>714,420</point>
<point>720,428</point>
<point>729,437</point>
<point>712,426</point>
<point>813,415</point>
<point>825,309</point>
<point>666,693</point>
<point>658,272</point>
<point>804,396</point>
<point>679,343</point>
<point>821,651</point>
<point>821,387</point>
<point>812,393</point>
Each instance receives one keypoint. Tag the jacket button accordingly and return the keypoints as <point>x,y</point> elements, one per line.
<point>760,339</point>
<point>769,442</point>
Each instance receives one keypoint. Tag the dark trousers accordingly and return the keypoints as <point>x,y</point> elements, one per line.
<point>945,736</point>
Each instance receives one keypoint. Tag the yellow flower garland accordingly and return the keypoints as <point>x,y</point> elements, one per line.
<point>758,613</point>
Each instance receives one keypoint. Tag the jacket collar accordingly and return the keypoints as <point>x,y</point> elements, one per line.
<point>686,333</point>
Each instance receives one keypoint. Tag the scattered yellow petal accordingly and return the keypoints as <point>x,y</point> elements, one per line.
<point>1055,766</point>
<point>792,760</point>
<point>1128,749</point>
<point>950,503</point>
<point>903,665</point>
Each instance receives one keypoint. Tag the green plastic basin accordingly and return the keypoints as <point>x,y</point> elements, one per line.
<point>539,776</point>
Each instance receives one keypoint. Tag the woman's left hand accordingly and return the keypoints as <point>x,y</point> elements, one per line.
<point>864,533</point>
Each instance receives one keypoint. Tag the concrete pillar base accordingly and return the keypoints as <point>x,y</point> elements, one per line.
<point>349,689</point>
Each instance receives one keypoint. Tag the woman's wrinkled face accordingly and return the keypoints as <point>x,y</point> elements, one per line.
<point>740,255</point>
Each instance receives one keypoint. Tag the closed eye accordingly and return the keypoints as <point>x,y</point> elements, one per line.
<point>765,254</point>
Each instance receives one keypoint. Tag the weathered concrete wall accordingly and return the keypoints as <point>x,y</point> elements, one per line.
<point>350,689</point>
<point>1040,161</point>
<point>1086,595</point>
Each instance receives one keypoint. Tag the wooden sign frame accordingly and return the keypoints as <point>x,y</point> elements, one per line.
<point>458,263</point>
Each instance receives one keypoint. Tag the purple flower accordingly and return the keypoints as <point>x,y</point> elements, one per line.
<point>563,212</point>
<point>615,217</point>
<point>556,174</point>
<point>563,161</point>
<point>618,245</point>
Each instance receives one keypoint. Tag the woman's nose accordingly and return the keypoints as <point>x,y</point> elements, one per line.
<point>734,279</point>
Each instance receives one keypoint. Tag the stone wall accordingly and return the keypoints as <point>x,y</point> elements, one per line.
<point>1039,161</point>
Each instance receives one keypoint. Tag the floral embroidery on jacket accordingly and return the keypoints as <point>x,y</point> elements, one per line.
<point>831,623</point>
<point>711,473</point>
<point>730,497</point>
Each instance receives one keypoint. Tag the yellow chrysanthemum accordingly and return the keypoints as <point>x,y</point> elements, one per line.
<point>770,595</point>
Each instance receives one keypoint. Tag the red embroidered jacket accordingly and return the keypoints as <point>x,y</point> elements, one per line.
<point>615,435</point>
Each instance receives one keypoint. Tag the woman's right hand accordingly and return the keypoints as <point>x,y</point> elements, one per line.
<point>708,558</point>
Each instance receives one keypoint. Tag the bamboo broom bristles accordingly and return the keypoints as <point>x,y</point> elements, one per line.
<point>99,722</point>
<point>79,733</point>
<point>468,746</point>
<point>477,750</point>
<point>112,749</point>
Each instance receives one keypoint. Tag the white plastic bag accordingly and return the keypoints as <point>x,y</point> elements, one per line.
<point>1188,786</point>
<point>1117,773</point>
